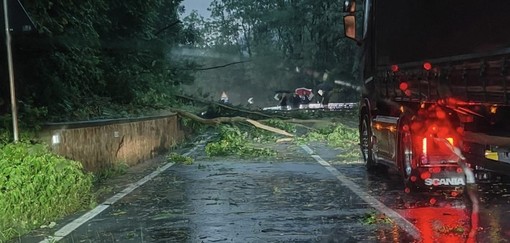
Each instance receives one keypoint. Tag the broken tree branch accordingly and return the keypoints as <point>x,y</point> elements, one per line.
<point>221,120</point>
<point>216,67</point>
<point>269,128</point>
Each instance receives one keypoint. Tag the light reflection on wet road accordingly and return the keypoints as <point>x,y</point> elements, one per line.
<point>290,200</point>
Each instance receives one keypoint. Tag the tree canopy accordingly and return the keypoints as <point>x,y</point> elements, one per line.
<point>96,58</point>
<point>289,43</point>
<point>93,58</point>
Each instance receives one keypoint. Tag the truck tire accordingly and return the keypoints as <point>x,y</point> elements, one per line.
<point>366,143</point>
<point>407,161</point>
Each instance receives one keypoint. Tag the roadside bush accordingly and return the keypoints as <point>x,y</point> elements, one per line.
<point>37,187</point>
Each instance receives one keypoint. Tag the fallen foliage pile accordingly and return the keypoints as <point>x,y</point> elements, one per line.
<point>38,187</point>
<point>240,141</point>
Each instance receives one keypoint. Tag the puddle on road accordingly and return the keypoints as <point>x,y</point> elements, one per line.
<point>439,216</point>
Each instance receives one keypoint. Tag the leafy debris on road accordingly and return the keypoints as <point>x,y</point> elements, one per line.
<point>376,218</point>
<point>179,159</point>
<point>234,140</point>
<point>339,136</point>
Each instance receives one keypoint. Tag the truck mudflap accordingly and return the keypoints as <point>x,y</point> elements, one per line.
<point>440,178</point>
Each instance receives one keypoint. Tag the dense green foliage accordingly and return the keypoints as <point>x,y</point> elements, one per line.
<point>97,58</point>
<point>38,187</point>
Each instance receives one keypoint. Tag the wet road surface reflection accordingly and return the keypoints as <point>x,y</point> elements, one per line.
<point>480,214</point>
<point>291,200</point>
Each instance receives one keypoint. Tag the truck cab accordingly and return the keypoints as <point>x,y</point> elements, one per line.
<point>435,97</point>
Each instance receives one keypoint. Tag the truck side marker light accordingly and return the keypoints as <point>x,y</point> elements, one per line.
<point>494,109</point>
<point>427,66</point>
<point>414,178</point>
<point>394,68</point>
<point>407,190</point>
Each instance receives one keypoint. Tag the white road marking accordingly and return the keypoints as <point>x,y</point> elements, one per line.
<point>70,227</point>
<point>372,201</point>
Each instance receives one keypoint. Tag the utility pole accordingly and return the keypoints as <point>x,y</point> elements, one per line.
<point>11,73</point>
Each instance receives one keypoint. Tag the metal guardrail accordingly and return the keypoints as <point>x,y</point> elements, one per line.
<point>315,106</point>
<point>102,122</point>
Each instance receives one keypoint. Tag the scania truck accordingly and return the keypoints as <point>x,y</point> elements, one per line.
<point>436,87</point>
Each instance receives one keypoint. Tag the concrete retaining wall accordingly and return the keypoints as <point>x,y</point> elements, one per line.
<point>101,144</point>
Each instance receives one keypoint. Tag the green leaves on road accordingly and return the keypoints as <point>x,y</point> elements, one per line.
<point>179,159</point>
<point>376,218</point>
<point>339,136</point>
<point>240,141</point>
<point>246,141</point>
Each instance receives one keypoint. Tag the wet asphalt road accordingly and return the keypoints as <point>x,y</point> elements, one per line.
<point>290,199</point>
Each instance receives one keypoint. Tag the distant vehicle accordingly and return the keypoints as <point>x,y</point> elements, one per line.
<point>435,78</point>
<point>316,106</point>
<point>303,97</point>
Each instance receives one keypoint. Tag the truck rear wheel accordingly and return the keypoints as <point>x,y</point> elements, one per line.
<point>366,143</point>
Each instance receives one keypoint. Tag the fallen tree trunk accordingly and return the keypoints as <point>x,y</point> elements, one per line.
<point>220,120</point>
<point>232,114</point>
<point>269,128</point>
<point>228,107</point>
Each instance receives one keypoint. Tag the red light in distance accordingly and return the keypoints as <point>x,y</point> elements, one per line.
<point>403,86</point>
<point>427,66</point>
<point>394,68</point>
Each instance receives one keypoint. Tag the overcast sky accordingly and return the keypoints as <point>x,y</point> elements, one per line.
<point>199,5</point>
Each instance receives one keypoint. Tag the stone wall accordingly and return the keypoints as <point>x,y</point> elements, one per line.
<point>103,143</point>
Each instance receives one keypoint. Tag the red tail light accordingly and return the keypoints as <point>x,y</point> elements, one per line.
<point>424,147</point>
<point>434,149</point>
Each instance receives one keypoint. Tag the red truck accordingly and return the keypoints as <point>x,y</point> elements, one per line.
<point>436,88</point>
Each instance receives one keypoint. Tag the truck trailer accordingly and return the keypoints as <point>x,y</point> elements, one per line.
<point>435,96</point>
